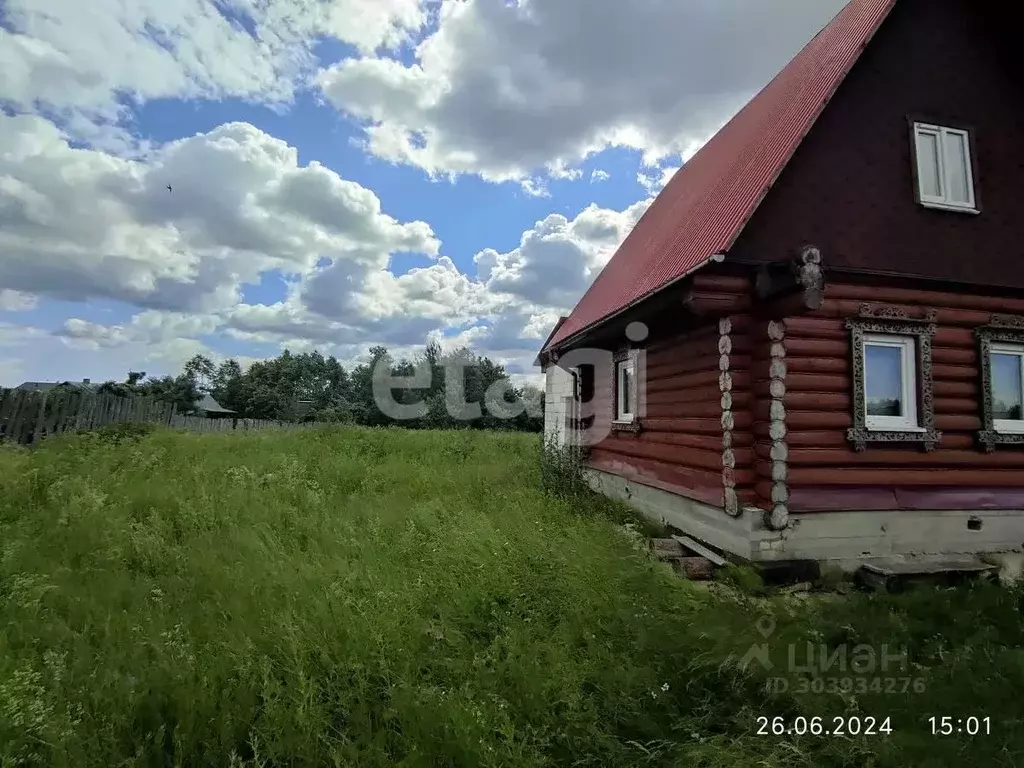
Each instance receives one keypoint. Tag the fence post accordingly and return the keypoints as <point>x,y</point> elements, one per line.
<point>7,397</point>
<point>37,432</point>
<point>23,419</point>
<point>18,401</point>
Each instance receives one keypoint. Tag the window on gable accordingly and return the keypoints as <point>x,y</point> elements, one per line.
<point>890,383</point>
<point>945,174</point>
<point>625,389</point>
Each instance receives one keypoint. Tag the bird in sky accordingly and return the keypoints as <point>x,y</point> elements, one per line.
<point>168,187</point>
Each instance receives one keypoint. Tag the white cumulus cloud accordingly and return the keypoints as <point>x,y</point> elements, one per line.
<point>506,89</point>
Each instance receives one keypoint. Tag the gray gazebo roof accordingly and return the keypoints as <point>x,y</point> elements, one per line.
<point>209,405</point>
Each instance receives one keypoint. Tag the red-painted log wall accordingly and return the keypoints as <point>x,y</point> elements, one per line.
<point>824,470</point>
<point>679,447</point>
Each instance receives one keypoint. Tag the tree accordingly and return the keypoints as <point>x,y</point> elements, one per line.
<point>229,386</point>
<point>180,390</point>
<point>201,370</point>
<point>311,387</point>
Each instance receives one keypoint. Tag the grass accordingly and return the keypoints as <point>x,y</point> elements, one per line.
<point>380,597</point>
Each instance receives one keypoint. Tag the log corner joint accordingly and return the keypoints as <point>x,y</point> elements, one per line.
<point>809,276</point>
<point>802,275</point>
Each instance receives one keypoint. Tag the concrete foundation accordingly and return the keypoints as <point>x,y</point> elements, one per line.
<point>844,539</point>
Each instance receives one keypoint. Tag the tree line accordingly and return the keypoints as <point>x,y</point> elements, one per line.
<point>311,387</point>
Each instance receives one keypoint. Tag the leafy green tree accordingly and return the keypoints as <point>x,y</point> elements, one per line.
<point>229,385</point>
<point>311,387</point>
<point>202,371</point>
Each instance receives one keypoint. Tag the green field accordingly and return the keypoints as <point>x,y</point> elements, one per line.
<point>385,597</point>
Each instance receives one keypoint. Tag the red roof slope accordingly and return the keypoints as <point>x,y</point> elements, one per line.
<point>707,203</point>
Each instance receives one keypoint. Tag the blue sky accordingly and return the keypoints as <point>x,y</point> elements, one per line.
<point>344,172</point>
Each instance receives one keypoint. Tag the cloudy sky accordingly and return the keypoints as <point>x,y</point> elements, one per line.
<point>342,173</point>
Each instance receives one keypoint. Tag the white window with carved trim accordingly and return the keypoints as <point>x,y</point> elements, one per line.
<point>1006,366</point>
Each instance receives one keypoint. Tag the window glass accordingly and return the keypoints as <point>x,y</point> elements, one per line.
<point>1007,395</point>
<point>629,378</point>
<point>625,394</point>
<point>883,382</point>
<point>957,173</point>
<point>928,164</point>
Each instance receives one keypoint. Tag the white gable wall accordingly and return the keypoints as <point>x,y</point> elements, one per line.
<point>557,397</point>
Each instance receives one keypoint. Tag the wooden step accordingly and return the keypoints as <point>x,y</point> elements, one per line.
<point>893,574</point>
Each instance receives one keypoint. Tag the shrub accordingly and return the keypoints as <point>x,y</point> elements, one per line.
<point>562,470</point>
<point>131,431</point>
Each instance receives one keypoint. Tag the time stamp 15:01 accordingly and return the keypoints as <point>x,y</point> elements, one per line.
<point>867,726</point>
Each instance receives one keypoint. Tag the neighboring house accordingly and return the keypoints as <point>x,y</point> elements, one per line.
<point>302,407</point>
<point>211,409</point>
<point>85,385</point>
<point>825,308</point>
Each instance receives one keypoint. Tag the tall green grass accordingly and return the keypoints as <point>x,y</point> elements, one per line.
<point>383,597</point>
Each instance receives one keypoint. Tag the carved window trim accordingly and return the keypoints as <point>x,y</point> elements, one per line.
<point>922,332</point>
<point>1002,330</point>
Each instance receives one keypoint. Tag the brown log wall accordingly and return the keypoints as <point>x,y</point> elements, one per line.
<point>679,447</point>
<point>824,470</point>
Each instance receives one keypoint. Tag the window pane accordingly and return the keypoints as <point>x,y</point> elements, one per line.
<point>957,175</point>
<point>928,165</point>
<point>882,380</point>
<point>1007,402</point>
<point>627,390</point>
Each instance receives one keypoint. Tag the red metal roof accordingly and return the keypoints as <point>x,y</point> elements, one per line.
<point>705,206</point>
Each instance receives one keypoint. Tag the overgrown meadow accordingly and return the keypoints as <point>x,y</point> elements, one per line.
<point>385,597</point>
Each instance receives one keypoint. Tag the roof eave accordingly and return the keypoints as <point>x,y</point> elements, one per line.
<point>568,341</point>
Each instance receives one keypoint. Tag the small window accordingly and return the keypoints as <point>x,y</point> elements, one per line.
<point>625,390</point>
<point>945,175</point>
<point>586,381</point>
<point>1006,363</point>
<point>890,383</point>
<point>575,374</point>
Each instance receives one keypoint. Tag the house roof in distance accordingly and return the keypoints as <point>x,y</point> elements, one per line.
<point>209,405</point>
<point>705,206</point>
<point>45,386</point>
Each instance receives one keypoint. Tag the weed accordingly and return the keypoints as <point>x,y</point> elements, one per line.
<point>742,577</point>
<point>414,598</point>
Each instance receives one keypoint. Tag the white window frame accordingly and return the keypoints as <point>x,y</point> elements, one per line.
<point>910,421</point>
<point>942,201</point>
<point>1007,426</point>
<point>622,416</point>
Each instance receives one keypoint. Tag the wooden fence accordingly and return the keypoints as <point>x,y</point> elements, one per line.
<point>27,417</point>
